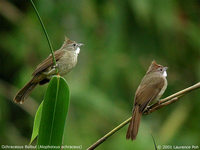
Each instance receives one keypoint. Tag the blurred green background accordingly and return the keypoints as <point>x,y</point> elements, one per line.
<point>121,39</point>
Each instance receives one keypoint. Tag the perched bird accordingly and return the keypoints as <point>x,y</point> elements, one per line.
<point>151,88</point>
<point>66,59</point>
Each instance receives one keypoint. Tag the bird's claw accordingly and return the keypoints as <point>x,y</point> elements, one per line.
<point>147,108</point>
<point>55,66</point>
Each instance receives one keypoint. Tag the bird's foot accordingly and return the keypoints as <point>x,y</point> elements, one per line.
<point>55,66</point>
<point>158,102</point>
<point>51,71</point>
<point>147,108</point>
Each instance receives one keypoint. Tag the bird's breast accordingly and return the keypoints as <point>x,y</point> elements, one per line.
<point>67,62</point>
<point>163,89</point>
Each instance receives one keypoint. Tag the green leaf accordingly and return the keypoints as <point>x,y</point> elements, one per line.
<point>154,142</point>
<point>36,123</point>
<point>54,113</point>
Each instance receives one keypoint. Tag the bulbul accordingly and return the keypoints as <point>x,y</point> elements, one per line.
<point>151,88</point>
<point>66,59</point>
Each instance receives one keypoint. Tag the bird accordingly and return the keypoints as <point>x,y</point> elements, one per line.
<point>151,88</point>
<point>66,59</point>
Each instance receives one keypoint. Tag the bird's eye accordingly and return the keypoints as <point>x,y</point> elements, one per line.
<point>74,44</point>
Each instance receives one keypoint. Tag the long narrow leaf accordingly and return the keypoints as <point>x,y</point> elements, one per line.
<point>54,113</point>
<point>154,142</point>
<point>36,123</point>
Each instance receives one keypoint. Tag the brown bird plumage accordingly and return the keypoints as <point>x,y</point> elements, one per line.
<point>66,59</point>
<point>151,88</point>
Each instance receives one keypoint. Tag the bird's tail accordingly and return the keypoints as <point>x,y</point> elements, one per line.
<point>134,124</point>
<point>25,91</point>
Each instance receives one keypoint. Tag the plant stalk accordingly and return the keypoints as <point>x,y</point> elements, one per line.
<point>45,32</point>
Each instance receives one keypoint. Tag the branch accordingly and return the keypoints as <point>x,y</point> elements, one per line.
<point>163,102</point>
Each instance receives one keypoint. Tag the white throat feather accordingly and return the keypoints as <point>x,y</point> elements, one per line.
<point>77,51</point>
<point>165,73</point>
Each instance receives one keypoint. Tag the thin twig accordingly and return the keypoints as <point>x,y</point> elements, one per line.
<point>101,140</point>
<point>156,107</point>
<point>182,92</point>
<point>163,102</point>
<point>45,31</point>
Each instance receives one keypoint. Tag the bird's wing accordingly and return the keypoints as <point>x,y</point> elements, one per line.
<point>48,61</point>
<point>147,92</point>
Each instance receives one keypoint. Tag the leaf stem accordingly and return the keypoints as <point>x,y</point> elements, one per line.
<point>45,31</point>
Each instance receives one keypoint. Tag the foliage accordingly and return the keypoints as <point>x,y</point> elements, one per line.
<point>36,124</point>
<point>121,39</point>
<point>54,112</point>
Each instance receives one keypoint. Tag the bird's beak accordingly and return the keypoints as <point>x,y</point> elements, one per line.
<point>80,44</point>
<point>165,68</point>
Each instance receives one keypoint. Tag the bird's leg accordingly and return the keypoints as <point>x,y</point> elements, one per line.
<point>52,71</point>
<point>147,108</point>
<point>55,67</point>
